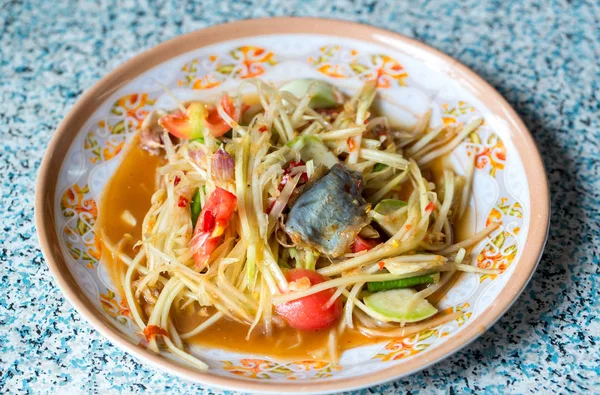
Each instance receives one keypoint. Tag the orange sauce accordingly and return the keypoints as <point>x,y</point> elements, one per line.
<point>130,189</point>
<point>284,343</point>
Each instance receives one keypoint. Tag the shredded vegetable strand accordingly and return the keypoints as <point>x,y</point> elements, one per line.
<point>387,188</point>
<point>203,326</point>
<point>448,195</point>
<point>365,99</point>
<point>348,308</point>
<point>410,330</point>
<point>476,238</point>
<point>468,129</point>
<point>464,201</point>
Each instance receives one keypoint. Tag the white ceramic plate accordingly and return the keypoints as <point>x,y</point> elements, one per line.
<point>509,184</point>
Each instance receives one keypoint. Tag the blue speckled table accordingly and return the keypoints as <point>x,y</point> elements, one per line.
<point>542,56</point>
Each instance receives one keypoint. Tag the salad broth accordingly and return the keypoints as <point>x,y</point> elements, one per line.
<point>284,343</point>
<point>130,189</point>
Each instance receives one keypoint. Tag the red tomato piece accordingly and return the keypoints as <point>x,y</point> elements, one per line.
<point>183,202</point>
<point>215,123</point>
<point>308,313</point>
<point>361,244</point>
<point>212,222</point>
<point>198,117</point>
<point>186,125</point>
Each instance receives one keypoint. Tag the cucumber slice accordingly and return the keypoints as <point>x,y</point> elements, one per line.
<point>400,305</point>
<point>390,224</point>
<point>388,206</point>
<point>324,95</point>
<point>403,268</point>
<point>387,218</point>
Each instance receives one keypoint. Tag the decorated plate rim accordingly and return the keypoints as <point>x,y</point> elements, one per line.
<point>95,96</point>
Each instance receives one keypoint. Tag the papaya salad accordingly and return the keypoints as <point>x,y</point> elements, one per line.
<point>296,207</point>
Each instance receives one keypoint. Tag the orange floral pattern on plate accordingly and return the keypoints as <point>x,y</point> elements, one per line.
<point>265,369</point>
<point>488,147</point>
<point>81,212</point>
<point>412,345</point>
<point>337,62</point>
<point>107,138</point>
<point>115,308</point>
<point>501,249</point>
<point>74,201</point>
<point>248,61</point>
<point>111,149</point>
<point>90,253</point>
<point>490,152</point>
<point>452,113</point>
<point>132,107</point>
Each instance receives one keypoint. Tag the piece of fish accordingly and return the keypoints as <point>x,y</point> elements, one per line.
<point>151,136</point>
<point>328,215</point>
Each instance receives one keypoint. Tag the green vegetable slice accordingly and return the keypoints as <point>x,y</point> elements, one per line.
<point>403,282</point>
<point>378,167</point>
<point>292,252</point>
<point>195,207</point>
<point>400,305</point>
<point>388,206</point>
<point>324,95</point>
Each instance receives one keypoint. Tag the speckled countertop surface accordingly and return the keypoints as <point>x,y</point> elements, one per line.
<point>542,56</point>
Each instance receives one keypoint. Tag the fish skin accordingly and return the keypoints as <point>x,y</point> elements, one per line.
<point>328,215</point>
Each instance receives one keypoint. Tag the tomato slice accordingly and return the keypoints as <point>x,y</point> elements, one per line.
<point>215,123</point>
<point>186,125</point>
<point>361,244</point>
<point>308,313</point>
<point>198,117</point>
<point>212,222</point>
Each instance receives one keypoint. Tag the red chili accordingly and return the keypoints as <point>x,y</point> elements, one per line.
<point>351,144</point>
<point>430,206</point>
<point>183,202</point>
<point>152,330</point>
<point>176,181</point>
<point>287,174</point>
